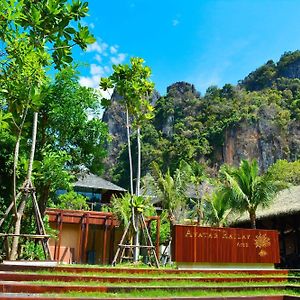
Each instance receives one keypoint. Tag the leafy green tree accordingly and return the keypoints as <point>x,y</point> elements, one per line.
<point>72,200</point>
<point>132,83</point>
<point>50,174</point>
<point>36,34</point>
<point>284,171</point>
<point>68,134</point>
<point>247,189</point>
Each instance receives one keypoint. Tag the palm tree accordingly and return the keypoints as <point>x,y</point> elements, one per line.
<point>217,208</point>
<point>197,178</point>
<point>171,192</point>
<point>247,189</point>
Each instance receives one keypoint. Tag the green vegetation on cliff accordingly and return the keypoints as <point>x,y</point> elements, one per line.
<point>259,118</point>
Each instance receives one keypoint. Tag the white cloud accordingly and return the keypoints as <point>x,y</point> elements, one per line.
<point>96,70</point>
<point>118,59</point>
<point>113,49</point>
<point>104,56</point>
<point>175,22</point>
<point>98,58</point>
<point>99,47</point>
<point>92,82</point>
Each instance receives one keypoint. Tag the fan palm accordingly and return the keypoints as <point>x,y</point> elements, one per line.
<point>247,189</point>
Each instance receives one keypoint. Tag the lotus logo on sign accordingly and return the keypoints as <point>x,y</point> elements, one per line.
<point>261,242</point>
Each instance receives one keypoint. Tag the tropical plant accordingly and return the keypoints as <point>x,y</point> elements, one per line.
<point>285,171</point>
<point>72,200</point>
<point>123,206</point>
<point>247,189</point>
<point>132,83</point>
<point>197,178</point>
<point>217,208</point>
<point>170,191</point>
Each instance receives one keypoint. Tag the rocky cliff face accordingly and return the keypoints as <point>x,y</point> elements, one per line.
<point>263,139</point>
<point>290,69</point>
<point>266,136</point>
<point>115,117</point>
<point>176,101</point>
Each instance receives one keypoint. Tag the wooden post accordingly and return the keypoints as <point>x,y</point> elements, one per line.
<point>59,234</point>
<point>81,240</point>
<point>112,240</point>
<point>157,236</point>
<point>57,228</point>
<point>86,236</point>
<point>104,241</point>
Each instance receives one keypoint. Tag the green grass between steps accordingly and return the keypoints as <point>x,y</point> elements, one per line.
<point>158,275</point>
<point>160,294</point>
<point>166,284</point>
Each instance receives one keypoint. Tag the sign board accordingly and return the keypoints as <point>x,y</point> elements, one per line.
<point>196,244</point>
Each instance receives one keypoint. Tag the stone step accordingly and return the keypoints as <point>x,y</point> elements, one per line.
<point>77,269</point>
<point>8,296</point>
<point>13,276</point>
<point>20,287</point>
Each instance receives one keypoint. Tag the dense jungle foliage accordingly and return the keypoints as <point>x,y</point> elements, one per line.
<point>191,127</point>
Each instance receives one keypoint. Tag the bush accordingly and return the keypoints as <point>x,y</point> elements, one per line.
<point>72,200</point>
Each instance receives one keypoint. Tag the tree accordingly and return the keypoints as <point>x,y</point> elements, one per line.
<point>69,137</point>
<point>285,171</point>
<point>72,200</point>
<point>247,189</point>
<point>36,34</point>
<point>217,208</point>
<point>170,191</point>
<point>197,178</point>
<point>133,85</point>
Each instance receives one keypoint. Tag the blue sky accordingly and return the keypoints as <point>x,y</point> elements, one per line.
<point>204,42</point>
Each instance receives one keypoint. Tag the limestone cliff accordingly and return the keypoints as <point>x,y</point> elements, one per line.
<point>115,118</point>
<point>263,139</point>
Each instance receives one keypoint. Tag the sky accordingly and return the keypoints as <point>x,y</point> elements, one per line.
<point>204,42</point>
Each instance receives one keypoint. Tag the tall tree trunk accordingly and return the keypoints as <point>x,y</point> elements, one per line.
<point>20,213</point>
<point>129,151</point>
<point>139,164</point>
<point>44,191</point>
<point>16,159</point>
<point>136,251</point>
<point>15,242</point>
<point>252,216</point>
<point>137,192</point>
<point>133,216</point>
<point>34,132</point>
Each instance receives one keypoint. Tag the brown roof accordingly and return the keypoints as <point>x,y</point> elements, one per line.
<point>287,202</point>
<point>92,181</point>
